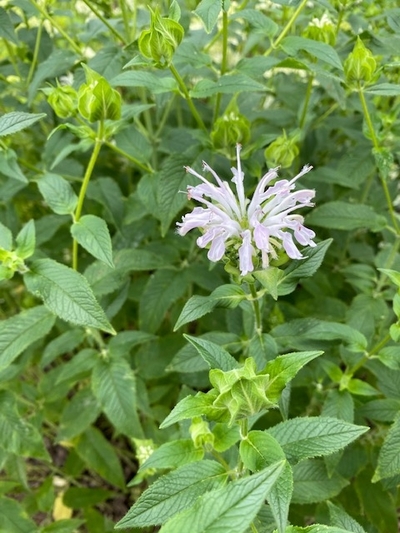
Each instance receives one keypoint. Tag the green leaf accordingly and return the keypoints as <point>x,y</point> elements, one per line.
<point>228,296</point>
<point>57,193</point>
<point>303,268</point>
<point>384,89</point>
<point>258,20</point>
<point>25,240</point>
<point>189,407</point>
<point>316,528</point>
<point>20,331</point>
<point>259,450</point>
<point>78,497</point>
<point>172,180</point>
<point>208,11</point>
<point>6,239</point>
<point>306,437</point>
<point>99,455</point>
<point>291,45</point>
<point>283,368</point>
<point>340,518</point>
<point>92,233</point>
<point>65,525</point>
<point>214,355</point>
<point>17,435</point>
<point>270,278</point>
<point>17,121</point>
<point>389,454</point>
<point>156,83</point>
<point>173,454</point>
<point>238,504</point>
<point>78,414</point>
<point>114,385</point>
<point>384,410</point>
<point>66,293</point>
<point>345,216</point>
<point>227,84</point>
<point>312,483</point>
<point>14,519</point>
<point>7,27</point>
<point>162,289</point>
<point>294,332</point>
<point>9,165</point>
<point>61,345</point>
<point>173,493</point>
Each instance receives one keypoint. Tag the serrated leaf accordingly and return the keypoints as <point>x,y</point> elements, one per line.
<point>258,20</point>
<point>384,89</point>
<point>345,216</point>
<point>57,193</point>
<point>227,84</point>
<point>208,11</point>
<point>340,518</point>
<point>189,407</point>
<point>17,121</point>
<point>114,385</point>
<point>306,437</point>
<point>173,493</point>
<point>157,84</point>
<point>259,450</point>
<point>197,306</point>
<point>238,504</point>
<point>17,435</point>
<point>163,288</point>
<point>78,414</point>
<point>66,293</point>
<point>214,355</point>
<point>312,483</point>
<point>14,518</point>
<point>20,331</point>
<point>326,53</point>
<point>284,368</point>
<point>100,456</point>
<point>9,165</point>
<point>389,454</point>
<point>7,27</point>
<point>92,233</point>
<point>25,240</point>
<point>270,278</point>
<point>173,455</point>
<point>6,239</point>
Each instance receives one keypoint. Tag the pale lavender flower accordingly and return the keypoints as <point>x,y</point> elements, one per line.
<point>257,226</point>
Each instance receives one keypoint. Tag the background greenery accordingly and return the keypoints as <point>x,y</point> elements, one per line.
<point>295,83</point>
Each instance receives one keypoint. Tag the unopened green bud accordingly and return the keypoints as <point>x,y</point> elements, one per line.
<point>97,100</point>
<point>360,65</point>
<point>161,40</point>
<point>322,30</point>
<point>282,151</point>
<point>201,433</point>
<point>63,99</point>
<point>242,392</point>
<point>230,129</point>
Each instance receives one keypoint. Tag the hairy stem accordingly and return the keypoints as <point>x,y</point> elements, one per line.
<point>82,193</point>
<point>306,101</point>
<point>35,53</point>
<point>105,22</point>
<point>286,29</point>
<point>186,94</point>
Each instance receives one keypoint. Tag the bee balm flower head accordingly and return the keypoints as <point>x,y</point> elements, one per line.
<point>255,227</point>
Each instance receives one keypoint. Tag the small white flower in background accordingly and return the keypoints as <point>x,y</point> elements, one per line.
<point>261,225</point>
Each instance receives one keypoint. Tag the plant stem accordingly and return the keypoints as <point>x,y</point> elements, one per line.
<point>35,53</point>
<point>128,156</point>
<point>82,193</point>
<point>224,62</point>
<point>256,307</point>
<point>57,26</point>
<point>306,101</point>
<point>11,56</point>
<point>286,29</point>
<point>125,17</point>
<point>105,22</point>
<point>191,105</point>
<point>375,143</point>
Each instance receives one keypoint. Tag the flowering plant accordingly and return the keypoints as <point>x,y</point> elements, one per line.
<point>263,224</point>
